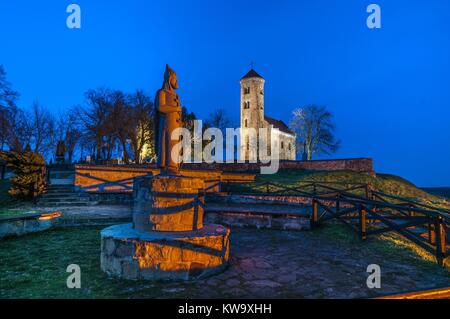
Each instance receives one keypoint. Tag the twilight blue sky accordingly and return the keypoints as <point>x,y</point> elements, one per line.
<point>389,89</point>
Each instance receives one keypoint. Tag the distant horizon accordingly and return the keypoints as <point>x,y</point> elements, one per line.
<point>387,88</point>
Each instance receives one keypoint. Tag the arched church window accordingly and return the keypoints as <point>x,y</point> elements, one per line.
<point>246,124</point>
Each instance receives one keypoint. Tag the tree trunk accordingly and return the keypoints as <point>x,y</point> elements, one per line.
<point>126,157</point>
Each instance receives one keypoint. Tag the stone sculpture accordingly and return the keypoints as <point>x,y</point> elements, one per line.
<point>168,118</point>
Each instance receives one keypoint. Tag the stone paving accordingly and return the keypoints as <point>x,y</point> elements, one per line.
<point>310,264</point>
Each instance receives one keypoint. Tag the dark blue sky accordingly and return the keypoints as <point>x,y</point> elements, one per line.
<point>389,89</point>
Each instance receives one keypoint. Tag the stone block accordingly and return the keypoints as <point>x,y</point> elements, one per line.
<point>165,255</point>
<point>166,203</point>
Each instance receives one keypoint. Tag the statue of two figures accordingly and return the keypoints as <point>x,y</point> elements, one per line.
<point>167,119</point>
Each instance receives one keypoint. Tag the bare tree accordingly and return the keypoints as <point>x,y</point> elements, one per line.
<point>69,130</point>
<point>120,120</point>
<point>315,130</point>
<point>42,124</point>
<point>8,108</point>
<point>219,119</point>
<point>95,118</point>
<point>20,130</point>
<point>141,134</point>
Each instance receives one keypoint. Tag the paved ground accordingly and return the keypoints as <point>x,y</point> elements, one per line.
<point>314,265</point>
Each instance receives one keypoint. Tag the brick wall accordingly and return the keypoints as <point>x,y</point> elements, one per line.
<point>354,164</point>
<point>115,178</point>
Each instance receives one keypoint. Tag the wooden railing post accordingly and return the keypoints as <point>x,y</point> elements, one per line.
<point>338,203</point>
<point>432,233</point>
<point>362,222</point>
<point>441,245</point>
<point>315,213</point>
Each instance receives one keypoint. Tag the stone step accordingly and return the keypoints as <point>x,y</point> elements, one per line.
<point>57,195</point>
<point>258,209</point>
<point>64,199</point>
<point>66,204</point>
<point>60,190</point>
<point>245,200</point>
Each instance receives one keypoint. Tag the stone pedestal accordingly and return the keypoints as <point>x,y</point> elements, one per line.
<point>167,240</point>
<point>168,203</point>
<point>131,254</point>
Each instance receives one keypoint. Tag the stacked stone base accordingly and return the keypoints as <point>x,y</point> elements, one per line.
<point>142,255</point>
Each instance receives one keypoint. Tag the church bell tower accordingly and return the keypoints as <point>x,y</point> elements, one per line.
<point>252,113</point>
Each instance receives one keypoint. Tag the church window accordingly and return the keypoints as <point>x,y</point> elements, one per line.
<point>289,146</point>
<point>247,90</point>
<point>247,105</point>
<point>282,144</point>
<point>246,123</point>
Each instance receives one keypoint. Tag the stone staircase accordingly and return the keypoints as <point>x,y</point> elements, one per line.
<point>64,195</point>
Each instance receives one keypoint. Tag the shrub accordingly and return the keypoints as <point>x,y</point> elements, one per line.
<point>29,169</point>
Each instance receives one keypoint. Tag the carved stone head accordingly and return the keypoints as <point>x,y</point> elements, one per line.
<point>170,79</point>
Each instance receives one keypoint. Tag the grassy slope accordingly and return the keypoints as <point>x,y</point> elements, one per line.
<point>386,183</point>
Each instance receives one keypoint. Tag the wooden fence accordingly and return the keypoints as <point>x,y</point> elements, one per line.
<point>366,211</point>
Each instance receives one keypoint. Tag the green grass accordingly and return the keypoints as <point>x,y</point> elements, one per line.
<point>386,183</point>
<point>34,266</point>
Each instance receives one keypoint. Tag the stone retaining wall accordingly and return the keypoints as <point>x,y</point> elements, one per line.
<point>119,178</point>
<point>364,165</point>
<point>259,221</point>
<point>19,226</point>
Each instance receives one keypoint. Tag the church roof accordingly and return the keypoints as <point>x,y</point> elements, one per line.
<point>252,74</point>
<point>278,124</point>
